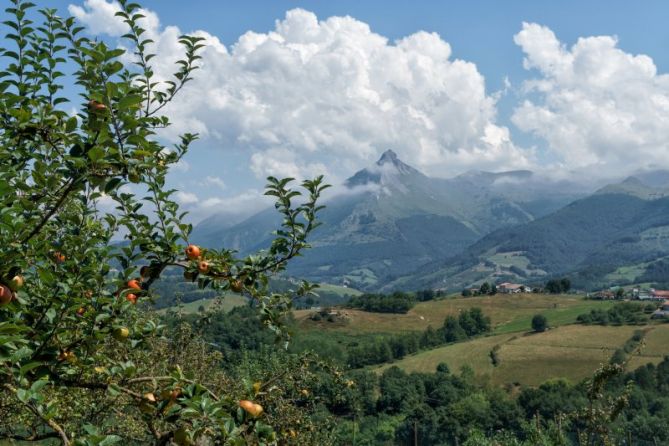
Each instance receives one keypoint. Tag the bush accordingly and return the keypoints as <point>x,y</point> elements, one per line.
<point>539,323</point>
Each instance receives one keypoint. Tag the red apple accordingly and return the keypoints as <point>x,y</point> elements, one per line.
<point>203,267</point>
<point>6,295</point>
<point>193,252</point>
<point>96,106</point>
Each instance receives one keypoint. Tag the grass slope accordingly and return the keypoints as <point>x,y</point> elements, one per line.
<point>572,352</point>
<point>508,313</point>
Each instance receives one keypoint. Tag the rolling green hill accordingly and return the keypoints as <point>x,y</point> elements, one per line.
<point>588,240</point>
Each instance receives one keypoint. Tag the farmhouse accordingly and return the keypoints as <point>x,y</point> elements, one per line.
<point>513,288</point>
<point>604,295</point>
<point>659,294</point>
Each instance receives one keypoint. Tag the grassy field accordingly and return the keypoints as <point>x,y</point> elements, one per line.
<point>572,352</point>
<point>655,348</point>
<point>336,289</point>
<point>508,313</point>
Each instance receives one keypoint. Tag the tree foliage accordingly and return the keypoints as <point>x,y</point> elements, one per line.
<point>397,302</point>
<point>623,313</point>
<point>72,340</point>
<point>557,286</point>
<point>539,323</point>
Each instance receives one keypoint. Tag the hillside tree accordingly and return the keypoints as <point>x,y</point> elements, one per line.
<point>539,323</point>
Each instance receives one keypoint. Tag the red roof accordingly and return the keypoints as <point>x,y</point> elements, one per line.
<point>661,293</point>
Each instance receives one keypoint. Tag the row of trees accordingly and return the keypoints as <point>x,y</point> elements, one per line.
<point>467,324</point>
<point>397,302</point>
<point>623,313</point>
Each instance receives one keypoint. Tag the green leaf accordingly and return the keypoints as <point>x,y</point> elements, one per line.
<point>71,124</point>
<point>28,367</point>
<point>129,101</point>
<point>110,439</point>
<point>112,185</point>
<point>22,395</point>
<point>96,153</point>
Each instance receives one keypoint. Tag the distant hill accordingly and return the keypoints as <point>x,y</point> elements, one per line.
<point>623,226</point>
<point>389,218</point>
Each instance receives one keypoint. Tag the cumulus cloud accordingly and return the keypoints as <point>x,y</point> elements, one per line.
<point>98,16</point>
<point>239,205</point>
<point>597,107</point>
<point>323,96</point>
<point>185,198</point>
<point>216,182</point>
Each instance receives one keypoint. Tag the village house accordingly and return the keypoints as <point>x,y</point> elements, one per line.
<point>513,288</point>
<point>659,294</point>
<point>603,295</point>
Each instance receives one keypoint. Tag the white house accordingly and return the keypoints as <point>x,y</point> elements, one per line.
<point>513,288</point>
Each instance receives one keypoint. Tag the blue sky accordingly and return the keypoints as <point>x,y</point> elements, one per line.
<point>586,109</point>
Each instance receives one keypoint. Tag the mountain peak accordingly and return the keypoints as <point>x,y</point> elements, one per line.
<point>388,157</point>
<point>389,166</point>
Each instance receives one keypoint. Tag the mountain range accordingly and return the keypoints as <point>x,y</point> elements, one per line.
<point>392,227</point>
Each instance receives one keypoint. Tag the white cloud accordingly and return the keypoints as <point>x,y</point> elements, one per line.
<point>281,162</point>
<point>316,96</point>
<point>598,107</point>
<point>238,205</point>
<point>100,18</point>
<point>186,198</point>
<point>181,166</point>
<point>243,203</point>
<point>216,182</point>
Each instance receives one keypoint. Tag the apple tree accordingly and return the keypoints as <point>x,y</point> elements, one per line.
<point>80,361</point>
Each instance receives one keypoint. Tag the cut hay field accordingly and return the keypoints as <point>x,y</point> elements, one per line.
<point>508,313</point>
<point>655,348</point>
<point>572,352</point>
